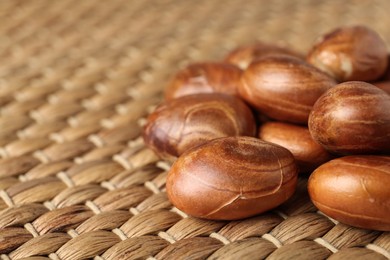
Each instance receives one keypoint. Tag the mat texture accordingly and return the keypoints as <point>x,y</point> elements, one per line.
<point>78,79</point>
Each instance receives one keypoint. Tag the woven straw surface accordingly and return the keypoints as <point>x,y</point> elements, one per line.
<point>78,79</point>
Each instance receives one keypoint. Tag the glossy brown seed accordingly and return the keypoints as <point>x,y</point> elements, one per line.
<point>354,190</point>
<point>297,139</point>
<point>207,77</point>
<point>189,121</point>
<point>352,118</point>
<point>350,53</point>
<point>283,87</point>
<point>244,55</point>
<point>232,178</point>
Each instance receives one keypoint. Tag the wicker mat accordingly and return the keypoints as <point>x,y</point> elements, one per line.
<point>77,80</point>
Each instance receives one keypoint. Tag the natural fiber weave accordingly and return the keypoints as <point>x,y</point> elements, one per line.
<point>78,79</point>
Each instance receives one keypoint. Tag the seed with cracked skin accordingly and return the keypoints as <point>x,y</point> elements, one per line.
<point>352,118</point>
<point>283,87</point>
<point>205,77</point>
<point>244,55</point>
<point>350,53</point>
<point>297,139</point>
<point>189,121</point>
<point>354,190</point>
<point>232,178</point>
